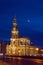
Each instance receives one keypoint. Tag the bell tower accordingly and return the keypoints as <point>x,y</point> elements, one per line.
<point>14,31</point>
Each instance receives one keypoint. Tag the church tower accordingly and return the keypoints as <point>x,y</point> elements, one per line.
<point>14,31</point>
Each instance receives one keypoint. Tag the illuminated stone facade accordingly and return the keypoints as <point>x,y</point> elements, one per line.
<point>18,46</point>
<point>34,51</point>
<point>41,52</point>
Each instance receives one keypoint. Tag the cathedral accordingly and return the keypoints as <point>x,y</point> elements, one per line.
<point>18,46</point>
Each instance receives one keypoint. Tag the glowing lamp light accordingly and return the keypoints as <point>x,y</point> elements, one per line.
<point>37,49</point>
<point>12,39</point>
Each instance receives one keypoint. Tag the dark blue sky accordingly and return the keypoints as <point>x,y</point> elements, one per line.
<point>29,14</point>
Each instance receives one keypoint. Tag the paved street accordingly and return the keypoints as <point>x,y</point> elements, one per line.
<point>21,61</point>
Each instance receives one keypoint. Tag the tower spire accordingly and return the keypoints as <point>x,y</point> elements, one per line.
<point>15,29</point>
<point>14,18</point>
<point>15,22</point>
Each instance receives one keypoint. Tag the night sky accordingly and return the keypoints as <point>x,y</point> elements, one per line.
<point>29,15</point>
